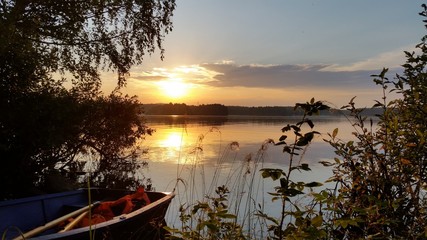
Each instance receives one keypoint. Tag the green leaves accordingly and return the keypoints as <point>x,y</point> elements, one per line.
<point>283,138</point>
<point>274,174</point>
<point>303,166</point>
<point>199,206</point>
<point>301,140</point>
<point>306,139</point>
<point>313,184</point>
<point>344,223</point>
<point>317,221</point>
<point>212,217</point>
<point>312,107</point>
<point>335,133</point>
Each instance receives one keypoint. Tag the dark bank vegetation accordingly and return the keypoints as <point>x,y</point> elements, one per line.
<point>184,109</point>
<point>55,122</point>
<point>222,110</point>
<point>379,181</point>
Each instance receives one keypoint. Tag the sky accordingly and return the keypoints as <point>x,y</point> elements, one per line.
<point>278,52</point>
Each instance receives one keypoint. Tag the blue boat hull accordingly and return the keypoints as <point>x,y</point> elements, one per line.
<point>22,215</point>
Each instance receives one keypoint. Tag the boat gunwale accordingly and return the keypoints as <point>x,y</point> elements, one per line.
<point>17,201</point>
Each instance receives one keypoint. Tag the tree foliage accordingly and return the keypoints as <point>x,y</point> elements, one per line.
<point>80,37</point>
<point>53,112</point>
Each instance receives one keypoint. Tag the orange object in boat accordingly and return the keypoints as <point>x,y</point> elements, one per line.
<point>106,211</point>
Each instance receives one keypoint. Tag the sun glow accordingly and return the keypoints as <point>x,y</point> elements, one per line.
<point>174,88</point>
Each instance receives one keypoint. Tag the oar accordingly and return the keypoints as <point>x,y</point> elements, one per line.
<point>73,223</point>
<point>55,222</point>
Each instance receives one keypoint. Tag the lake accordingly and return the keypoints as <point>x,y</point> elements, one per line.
<point>192,155</point>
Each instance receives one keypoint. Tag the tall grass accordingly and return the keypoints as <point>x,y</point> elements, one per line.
<point>233,191</point>
<point>240,198</point>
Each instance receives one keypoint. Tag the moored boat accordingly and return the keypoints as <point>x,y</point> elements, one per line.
<point>43,217</point>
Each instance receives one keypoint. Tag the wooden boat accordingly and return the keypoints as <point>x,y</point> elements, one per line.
<point>43,214</point>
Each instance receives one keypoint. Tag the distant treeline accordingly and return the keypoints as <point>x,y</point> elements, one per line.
<point>184,109</point>
<point>222,110</point>
<point>263,111</point>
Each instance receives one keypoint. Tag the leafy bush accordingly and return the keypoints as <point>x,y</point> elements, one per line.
<point>382,176</point>
<point>302,221</point>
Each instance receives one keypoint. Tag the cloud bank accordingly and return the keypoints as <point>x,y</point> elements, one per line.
<point>229,74</point>
<point>231,83</point>
<point>392,59</point>
<point>286,76</point>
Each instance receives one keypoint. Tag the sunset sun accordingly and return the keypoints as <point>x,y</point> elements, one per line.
<point>174,88</point>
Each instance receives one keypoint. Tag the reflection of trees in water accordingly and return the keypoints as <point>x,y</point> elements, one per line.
<point>179,120</point>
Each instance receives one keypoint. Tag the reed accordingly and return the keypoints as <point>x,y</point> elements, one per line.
<point>242,199</point>
<point>225,202</point>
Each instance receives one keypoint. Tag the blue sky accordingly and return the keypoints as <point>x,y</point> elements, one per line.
<point>278,52</point>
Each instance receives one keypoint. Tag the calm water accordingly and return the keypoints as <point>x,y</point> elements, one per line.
<point>193,155</point>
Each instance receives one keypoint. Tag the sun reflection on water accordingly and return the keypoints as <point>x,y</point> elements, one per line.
<point>172,139</point>
<point>177,145</point>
